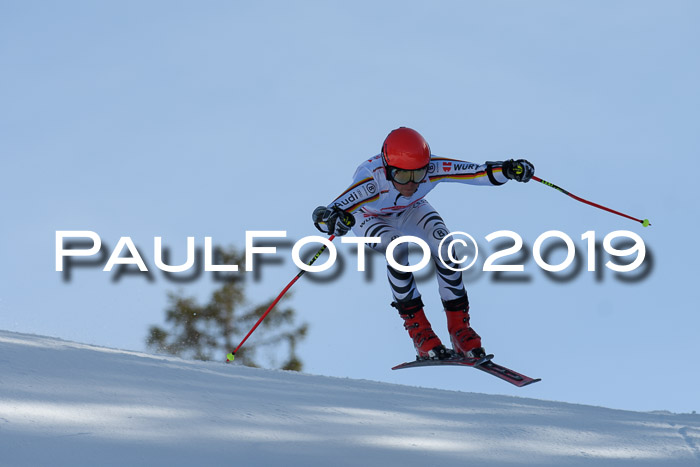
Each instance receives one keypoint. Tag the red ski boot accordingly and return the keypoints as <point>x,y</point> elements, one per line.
<point>426,342</point>
<point>465,340</point>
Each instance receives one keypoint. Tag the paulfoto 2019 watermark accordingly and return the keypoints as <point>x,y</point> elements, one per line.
<point>457,251</point>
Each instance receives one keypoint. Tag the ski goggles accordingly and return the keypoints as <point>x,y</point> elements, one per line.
<point>403,176</point>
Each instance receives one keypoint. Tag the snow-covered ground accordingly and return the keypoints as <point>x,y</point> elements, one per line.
<point>68,404</point>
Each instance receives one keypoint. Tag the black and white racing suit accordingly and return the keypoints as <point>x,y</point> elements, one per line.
<point>381,211</point>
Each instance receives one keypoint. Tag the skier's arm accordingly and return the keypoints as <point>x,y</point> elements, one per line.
<point>520,170</point>
<point>332,221</point>
<point>488,173</point>
<point>337,217</point>
<point>362,191</point>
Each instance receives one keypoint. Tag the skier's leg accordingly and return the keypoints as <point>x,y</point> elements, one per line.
<point>425,341</point>
<point>403,287</point>
<point>463,337</point>
<point>403,284</point>
<point>426,223</point>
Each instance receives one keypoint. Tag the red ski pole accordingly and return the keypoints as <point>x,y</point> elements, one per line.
<point>644,222</point>
<point>232,355</point>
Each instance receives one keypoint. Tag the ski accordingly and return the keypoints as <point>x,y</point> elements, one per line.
<point>455,360</point>
<point>484,364</point>
<point>506,374</point>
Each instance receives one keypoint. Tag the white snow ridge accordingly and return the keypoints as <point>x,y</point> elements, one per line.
<point>68,404</point>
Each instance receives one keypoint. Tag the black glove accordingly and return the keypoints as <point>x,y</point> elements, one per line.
<point>333,221</point>
<point>520,170</point>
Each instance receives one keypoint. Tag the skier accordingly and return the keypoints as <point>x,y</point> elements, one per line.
<point>387,200</point>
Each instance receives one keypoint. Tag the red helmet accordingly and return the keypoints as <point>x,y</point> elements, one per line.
<point>405,148</point>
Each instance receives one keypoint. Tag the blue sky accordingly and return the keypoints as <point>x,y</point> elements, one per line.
<point>179,119</point>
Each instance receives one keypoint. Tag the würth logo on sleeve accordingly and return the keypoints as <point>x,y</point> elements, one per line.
<point>447,166</point>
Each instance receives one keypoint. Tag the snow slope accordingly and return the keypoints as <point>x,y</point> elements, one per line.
<point>67,404</point>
